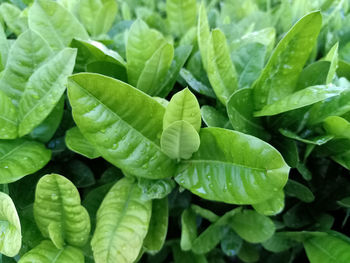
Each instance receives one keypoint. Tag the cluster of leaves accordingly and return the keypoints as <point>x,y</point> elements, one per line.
<point>262,179</point>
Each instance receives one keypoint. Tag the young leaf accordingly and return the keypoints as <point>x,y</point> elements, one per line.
<point>4,47</point>
<point>21,157</point>
<point>136,53</point>
<point>180,140</point>
<point>97,15</point>
<point>332,57</point>
<point>271,206</point>
<point>188,229</point>
<point>327,248</point>
<point>58,212</point>
<point>122,224</point>
<point>314,74</point>
<point>196,85</point>
<point>44,89</point>
<point>281,73</point>
<point>155,189</point>
<point>214,118</point>
<point>337,126</point>
<point>252,226</point>
<point>234,168</point>
<point>203,34</point>
<point>47,252</point>
<point>26,55</point>
<point>221,71</point>
<point>15,20</point>
<point>183,106</point>
<point>8,118</point>
<point>181,15</point>
<point>205,213</point>
<point>158,226</point>
<point>76,142</point>
<point>10,227</point>
<point>300,99</point>
<point>127,137</point>
<point>55,23</point>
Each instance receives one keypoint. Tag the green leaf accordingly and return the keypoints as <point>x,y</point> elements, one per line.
<point>155,70</point>
<point>345,202</point>
<point>248,253</point>
<point>214,118</point>
<point>181,256</point>
<point>314,74</point>
<point>133,132</point>
<point>271,206</point>
<point>205,213</point>
<point>10,227</point>
<point>122,224</point>
<point>281,73</point>
<point>240,110</point>
<point>337,126</point>
<point>231,243</point>
<point>300,99</point>
<point>158,226</point>
<point>252,226</point>
<point>318,140</point>
<point>332,56</point>
<point>97,15</point>
<point>327,248</point>
<point>20,157</point>
<point>298,190</point>
<point>46,130</point>
<point>221,71</point>
<point>181,54</point>
<point>58,212</point>
<point>278,242</point>
<point>183,106</point>
<point>188,229</point>
<point>55,23</point>
<point>195,84</point>
<point>181,15</point>
<point>234,168</point>
<point>155,189</point>
<point>47,252</point>
<point>179,140</point>
<point>15,20</point>
<point>8,118</point>
<point>136,54</point>
<point>44,89</point>
<point>26,56</point>
<point>203,34</point>
<point>4,47</point>
<point>76,142</point>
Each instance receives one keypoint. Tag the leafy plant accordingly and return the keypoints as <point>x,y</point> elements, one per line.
<point>104,156</point>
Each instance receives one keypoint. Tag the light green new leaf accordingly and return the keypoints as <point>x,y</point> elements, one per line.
<point>15,20</point>
<point>188,229</point>
<point>203,34</point>
<point>158,226</point>
<point>128,137</point>
<point>76,142</point>
<point>272,206</point>
<point>337,126</point>
<point>21,157</point>
<point>298,190</point>
<point>10,227</point>
<point>155,70</point>
<point>58,212</point>
<point>221,71</point>
<point>179,140</point>
<point>26,55</point>
<point>281,73</point>
<point>97,15</point>
<point>328,248</point>
<point>240,110</point>
<point>205,213</point>
<point>137,54</point>
<point>332,56</point>
<point>234,168</point>
<point>214,118</point>
<point>300,99</point>
<point>181,15</point>
<point>55,23</point>
<point>8,118</point>
<point>44,89</point>
<point>46,252</point>
<point>122,224</point>
<point>4,47</point>
<point>252,226</point>
<point>183,106</point>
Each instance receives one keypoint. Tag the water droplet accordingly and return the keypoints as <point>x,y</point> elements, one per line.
<point>114,146</point>
<point>54,197</point>
<point>211,185</point>
<point>6,167</point>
